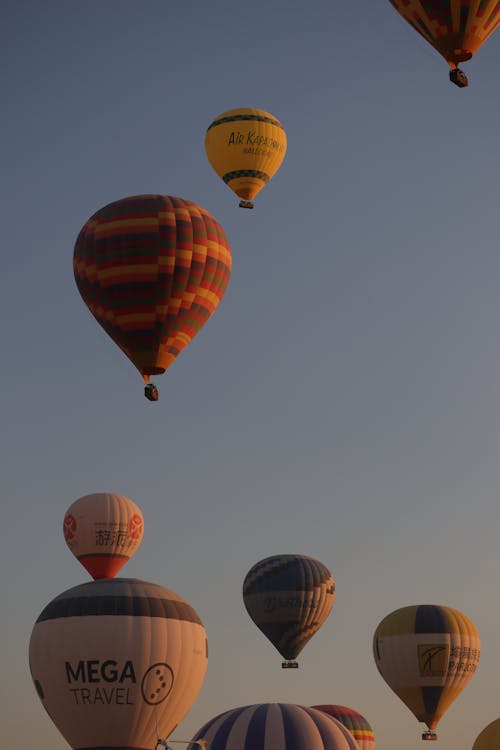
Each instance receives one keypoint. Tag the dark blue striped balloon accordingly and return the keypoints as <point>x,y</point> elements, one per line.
<point>289,597</point>
<point>274,726</point>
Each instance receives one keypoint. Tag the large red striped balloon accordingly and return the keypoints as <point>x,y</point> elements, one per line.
<point>275,726</point>
<point>103,530</point>
<point>354,722</point>
<point>117,663</point>
<point>152,269</point>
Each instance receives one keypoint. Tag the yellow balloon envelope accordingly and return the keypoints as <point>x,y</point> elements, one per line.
<point>103,530</point>
<point>427,654</point>
<point>489,738</point>
<point>246,148</point>
<point>117,663</point>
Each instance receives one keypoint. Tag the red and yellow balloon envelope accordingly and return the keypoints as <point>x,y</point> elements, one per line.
<point>103,531</point>
<point>289,597</point>
<point>357,725</point>
<point>117,663</point>
<point>456,29</point>
<point>246,148</point>
<point>152,269</point>
<point>427,654</point>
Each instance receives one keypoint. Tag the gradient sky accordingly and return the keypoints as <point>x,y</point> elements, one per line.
<point>343,402</point>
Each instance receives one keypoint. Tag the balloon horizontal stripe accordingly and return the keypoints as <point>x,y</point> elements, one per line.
<point>131,606</point>
<point>238,173</point>
<point>236,118</point>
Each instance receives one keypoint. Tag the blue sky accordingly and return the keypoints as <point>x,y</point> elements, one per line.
<point>343,400</point>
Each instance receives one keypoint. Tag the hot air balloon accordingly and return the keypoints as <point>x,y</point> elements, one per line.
<point>454,28</point>
<point>103,531</point>
<point>489,738</point>
<point>289,597</point>
<point>357,725</point>
<point>117,662</point>
<point>427,654</point>
<point>245,147</point>
<point>152,269</point>
<point>280,726</point>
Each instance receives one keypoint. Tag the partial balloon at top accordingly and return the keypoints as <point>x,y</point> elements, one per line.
<point>103,531</point>
<point>152,269</point>
<point>289,597</point>
<point>246,148</point>
<point>456,29</point>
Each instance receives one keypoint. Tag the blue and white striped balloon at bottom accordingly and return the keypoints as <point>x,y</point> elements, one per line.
<point>274,726</point>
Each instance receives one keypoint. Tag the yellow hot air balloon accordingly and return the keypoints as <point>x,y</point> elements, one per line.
<point>103,530</point>
<point>456,29</point>
<point>489,738</point>
<point>117,662</point>
<point>427,654</point>
<point>246,148</point>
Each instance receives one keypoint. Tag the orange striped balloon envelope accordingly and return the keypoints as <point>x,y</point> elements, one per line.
<point>289,597</point>
<point>456,29</point>
<point>357,725</point>
<point>246,148</point>
<point>103,531</point>
<point>274,726</point>
<point>489,738</point>
<point>117,663</point>
<point>427,654</point>
<point>152,269</point>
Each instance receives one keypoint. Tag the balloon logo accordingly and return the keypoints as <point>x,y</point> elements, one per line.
<point>245,148</point>
<point>103,531</point>
<point>69,527</point>
<point>427,654</point>
<point>136,527</point>
<point>289,597</point>
<point>152,269</point>
<point>117,662</point>
<point>157,683</point>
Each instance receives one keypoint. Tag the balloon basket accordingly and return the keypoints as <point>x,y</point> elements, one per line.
<point>459,78</point>
<point>290,665</point>
<point>151,392</point>
<point>430,736</point>
<point>246,204</point>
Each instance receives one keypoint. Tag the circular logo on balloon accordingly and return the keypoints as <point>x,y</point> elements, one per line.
<point>157,683</point>
<point>69,527</point>
<point>135,527</point>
